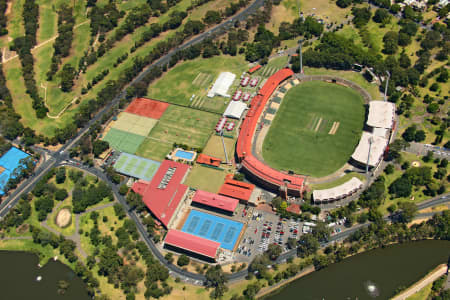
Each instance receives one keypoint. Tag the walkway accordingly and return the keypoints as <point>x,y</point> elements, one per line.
<point>75,236</point>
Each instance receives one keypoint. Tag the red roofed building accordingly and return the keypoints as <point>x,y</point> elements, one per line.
<point>294,209</point>
<point>191,244</point>
<point>254,69</point>
<point>164,194</point>
<point>265,175</point>
<point>218,202</point>
<point>237,189</point>
<point>208,160</point>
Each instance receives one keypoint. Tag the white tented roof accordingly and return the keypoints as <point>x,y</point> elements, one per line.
<point>376,150</point>
<point>381,114</point>
<point>338,192</point>
<point>235,109</point>
<point>222,84</point>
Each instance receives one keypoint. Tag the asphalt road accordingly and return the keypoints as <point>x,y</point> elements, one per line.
<point>61,157</point>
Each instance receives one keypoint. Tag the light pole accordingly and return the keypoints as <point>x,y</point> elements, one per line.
<point>368,155</point>
<point>386,85</point>
<point>300,42</point>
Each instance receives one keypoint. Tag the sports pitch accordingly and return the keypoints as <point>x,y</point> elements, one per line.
<point>135,124</point>
<point>184,125</point>
<point>123,141</point>
<point>316,129</point>
<point>136,166</point>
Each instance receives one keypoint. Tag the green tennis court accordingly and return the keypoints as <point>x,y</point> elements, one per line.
<point>123,141</point>
<point>136,166</point>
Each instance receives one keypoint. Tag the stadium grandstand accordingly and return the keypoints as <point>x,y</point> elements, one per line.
<point>165,195</point>
<point>265,175</point>
<point>370,149</point>
<point>191,245</point>
<point>208,160</point>
<point>238,190</point>
<point>214,202</point>
<point>332,194</point>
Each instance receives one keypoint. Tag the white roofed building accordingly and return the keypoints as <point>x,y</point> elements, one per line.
<point>377,145</point>
<point>344,190</point>
<point>221,85</point>
<point>381,114</point>
<point>235,109</point>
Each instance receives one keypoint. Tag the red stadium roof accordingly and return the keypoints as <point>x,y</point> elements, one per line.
<point>214,200</point>
<point>208,160</point>
<point>255,68</point>
<point>192,243</point>
<point>237,189</point>
<point>248,127</point>
<point>164,193</point>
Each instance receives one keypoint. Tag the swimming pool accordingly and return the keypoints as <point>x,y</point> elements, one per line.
<point>218,229</point>
<point>184,154</point>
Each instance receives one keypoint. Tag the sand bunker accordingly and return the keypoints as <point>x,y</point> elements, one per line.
<point>63,218</point>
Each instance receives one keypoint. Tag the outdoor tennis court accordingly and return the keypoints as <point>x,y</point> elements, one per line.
<point>147,108</point>
<point>135,124</point>
<point>123,141</point>
<point>136,166</point>
<point>213,228</point>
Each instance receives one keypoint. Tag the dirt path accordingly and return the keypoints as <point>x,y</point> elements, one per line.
<point>42,44</point>
<point>75,236</point>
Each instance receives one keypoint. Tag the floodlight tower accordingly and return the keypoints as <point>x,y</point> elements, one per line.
<point>300,42</point>
<point>386,85</point>
<point>368,155</point>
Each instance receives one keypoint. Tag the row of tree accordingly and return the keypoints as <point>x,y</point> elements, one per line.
<point>63,42</point>
<point>3,18</point>
<point>23,45</point>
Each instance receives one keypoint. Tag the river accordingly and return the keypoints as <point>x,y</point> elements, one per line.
<point>18,273</point>
<point>386,268</point>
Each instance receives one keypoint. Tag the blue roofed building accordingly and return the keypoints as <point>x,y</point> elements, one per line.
<point>10,162</point>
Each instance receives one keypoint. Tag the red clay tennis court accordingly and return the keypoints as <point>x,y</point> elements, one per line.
<point>147,108</point>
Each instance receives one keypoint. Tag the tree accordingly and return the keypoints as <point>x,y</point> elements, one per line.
<point>212,17</point>
<point>410,133</point>
<point>419,136</point>
<point>433,108</point>
<point>361,16</point>
<point>215,277</point>
<point>119,211</point>
<point>99,146</point>
<point>390,41</point>
<point>123,190</point>
<point>274,251</point>
<point>183,260</point>
<point>382,15</point>
<point>343,3</point>
<point>307,245</point>
<point>408,211</point>
<point>389,169</point>
<point>61,194</point>
<point>60,175</point>
<point>67,76</point>
<point>401,187</point>
<point>321,231</point>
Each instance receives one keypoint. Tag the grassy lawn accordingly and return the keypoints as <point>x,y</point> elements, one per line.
<point>15,21</point>
<point>356,77</point>
<point>154,149</point>
<point>337,182</point>
<point>179,84</point>
<point>47,20</point>
<point>45,253</point>
<point>422,294</point>
<point>287,11</point>
<point>184,125</point>
<point>299,138</point>
<point>205,178</point>
<point>214,147</point>
<point>417,194</point>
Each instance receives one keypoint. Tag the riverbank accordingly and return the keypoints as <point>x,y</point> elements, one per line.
<point>269,289</point>
<point>429,278</point>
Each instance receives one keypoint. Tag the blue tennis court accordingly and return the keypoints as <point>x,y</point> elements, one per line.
<point>213,228</point>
